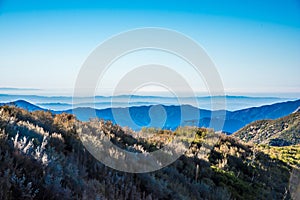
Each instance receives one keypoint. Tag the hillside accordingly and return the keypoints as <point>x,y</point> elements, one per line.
<point>41,157</point>
<point>273,111</point>
<point>280,132</point>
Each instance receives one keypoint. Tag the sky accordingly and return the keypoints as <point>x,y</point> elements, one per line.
<point>254,45</point>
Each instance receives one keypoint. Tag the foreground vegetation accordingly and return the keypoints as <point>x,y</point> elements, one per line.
<point>42,157</point>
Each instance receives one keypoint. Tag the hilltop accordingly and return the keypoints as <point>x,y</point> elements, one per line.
<point>23,104</point>
<point>284,131</point>
<point>42,157</point>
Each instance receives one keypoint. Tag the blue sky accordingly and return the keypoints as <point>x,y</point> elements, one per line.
<point>255,44</point>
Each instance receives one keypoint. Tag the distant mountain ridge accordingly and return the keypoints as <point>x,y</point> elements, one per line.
<point>58,103</point>
<point>233,121</point>
<point>24,104</point>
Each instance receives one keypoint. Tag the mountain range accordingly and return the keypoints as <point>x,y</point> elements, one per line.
<point>170,117</point>
<point>101,102</point>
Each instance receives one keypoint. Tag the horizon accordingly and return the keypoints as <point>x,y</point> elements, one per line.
<point>69,93</point>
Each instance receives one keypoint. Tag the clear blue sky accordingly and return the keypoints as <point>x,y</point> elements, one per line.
<point>255,44</point>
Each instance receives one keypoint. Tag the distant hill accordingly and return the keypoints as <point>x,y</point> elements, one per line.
<point>273,111</point>
<point>233,120</point>
<point>280,132</point>
<point>24,104</point>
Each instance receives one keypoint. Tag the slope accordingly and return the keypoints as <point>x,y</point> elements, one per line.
<point>280,132</point>
<point>48,161</point>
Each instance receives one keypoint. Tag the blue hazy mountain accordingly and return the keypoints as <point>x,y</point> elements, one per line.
<point>170,117</point>
<point>232,121</point>
<point>23,104</point>
<point>101,102</point>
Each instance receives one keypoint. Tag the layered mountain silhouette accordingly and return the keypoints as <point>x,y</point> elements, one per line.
<point>171,117</point>
<point>23,104</point>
